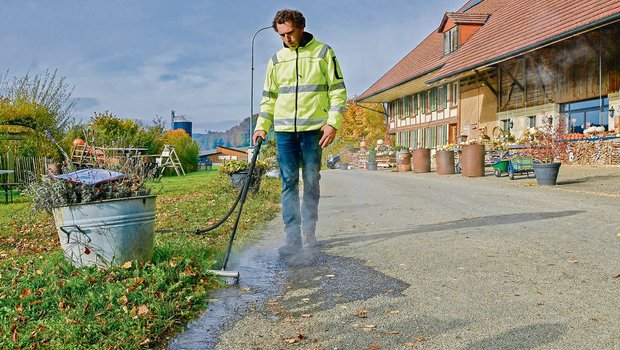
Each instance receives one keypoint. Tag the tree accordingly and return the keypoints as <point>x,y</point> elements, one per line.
<point>186,148</point>
<point>39,105</point>
<point>359,124</point>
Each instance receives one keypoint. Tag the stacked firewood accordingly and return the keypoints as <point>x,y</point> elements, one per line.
<point>600,152</point>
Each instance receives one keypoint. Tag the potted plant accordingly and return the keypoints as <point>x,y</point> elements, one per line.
<point>472,158</point>
<point>237,170</point>
<point>372,159</point>
<point>103,217</point>
<point>545,145</point>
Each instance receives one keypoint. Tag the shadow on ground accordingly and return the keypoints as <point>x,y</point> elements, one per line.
<point>482,221</point>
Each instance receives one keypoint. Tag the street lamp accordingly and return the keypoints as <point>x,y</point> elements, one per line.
<point>252,84</point>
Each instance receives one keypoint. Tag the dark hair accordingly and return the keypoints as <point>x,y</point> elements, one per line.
<point>285,15</point>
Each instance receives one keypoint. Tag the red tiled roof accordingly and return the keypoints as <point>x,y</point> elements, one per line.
<point>513,27</point>
<point>524,25</point>
<point>426,57</point>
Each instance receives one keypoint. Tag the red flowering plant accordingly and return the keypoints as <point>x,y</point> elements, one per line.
<point>546,144</point>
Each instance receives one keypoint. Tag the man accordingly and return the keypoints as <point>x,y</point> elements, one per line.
<point>303,98</point>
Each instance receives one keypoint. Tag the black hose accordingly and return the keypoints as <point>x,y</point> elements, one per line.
<point>240,197</point>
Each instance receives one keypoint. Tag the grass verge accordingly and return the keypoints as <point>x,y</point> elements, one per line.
<point>47,303</point>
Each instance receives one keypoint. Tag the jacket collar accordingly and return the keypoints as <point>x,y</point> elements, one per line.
<point>305,40</point>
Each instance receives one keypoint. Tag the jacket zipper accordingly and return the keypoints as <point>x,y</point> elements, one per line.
<point>296,84</point>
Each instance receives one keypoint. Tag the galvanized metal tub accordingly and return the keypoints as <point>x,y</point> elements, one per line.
<point>107,233</point>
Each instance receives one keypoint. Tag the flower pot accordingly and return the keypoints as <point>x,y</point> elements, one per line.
<point>238,180</point>
<point>547,173</point>
<point>472,160</point>
<point>107,233</point>
<point>372,166</point>
<point>403,161</point>
<point>421,159</point>
<point>445,162</point>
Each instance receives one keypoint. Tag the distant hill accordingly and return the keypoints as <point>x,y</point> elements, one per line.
<point>237,136</point>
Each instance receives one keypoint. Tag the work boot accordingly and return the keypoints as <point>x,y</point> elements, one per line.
<point>290,248</point>
<point>310,240</point>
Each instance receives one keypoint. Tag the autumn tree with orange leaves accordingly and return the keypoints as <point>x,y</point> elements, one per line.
<point>361,123</point>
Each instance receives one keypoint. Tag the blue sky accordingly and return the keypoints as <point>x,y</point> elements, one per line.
<point>138,59</point>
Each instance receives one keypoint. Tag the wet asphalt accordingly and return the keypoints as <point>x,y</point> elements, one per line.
<point>433,262</point>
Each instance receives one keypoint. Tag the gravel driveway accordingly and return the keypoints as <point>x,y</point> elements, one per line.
<point>435,262</point>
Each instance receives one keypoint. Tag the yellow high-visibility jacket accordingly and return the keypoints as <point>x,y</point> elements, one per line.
<point>304,89</point>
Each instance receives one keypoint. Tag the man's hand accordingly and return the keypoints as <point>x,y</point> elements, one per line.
<point>329,134</point>
<point>258,133</point>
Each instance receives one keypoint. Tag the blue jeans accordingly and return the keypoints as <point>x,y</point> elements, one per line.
<point>295,150</point>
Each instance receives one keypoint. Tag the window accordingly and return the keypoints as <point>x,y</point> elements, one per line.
<point>584,114</point>
<point>451,40</point>
<point>455,92</point>
<point>531,121</point>
<point>423,106</point>
<point>442,91</point>
<point>407,106</point>
<point>415,104</point>
<point>442,135</point>
<point>506,124</point>
<point>433,99</point>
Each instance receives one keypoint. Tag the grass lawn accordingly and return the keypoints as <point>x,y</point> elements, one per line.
<point>47,303</point>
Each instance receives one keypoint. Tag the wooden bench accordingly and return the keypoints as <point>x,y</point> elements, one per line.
<point>8,190</point>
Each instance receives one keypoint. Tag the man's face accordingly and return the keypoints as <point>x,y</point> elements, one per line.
<point>290,35</point>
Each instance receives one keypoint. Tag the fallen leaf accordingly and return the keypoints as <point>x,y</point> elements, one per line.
<point>39,272</point>
<point>616,276</point>
<point>374,346</point>
<point>86,250</point>
<point>245,289</point>
<point>330,276</point>
<point>306,315</point>
<point>123,300</point>
<point>25,292</point>
<point>392,332</point>
<point>70,321</point>
<point>127,265</point>
<point>370,326</point>
<point>410,344</point>
<point>361,313</point>
<point>595,319</point>
<point>19,308</point>
<point>86,308</point>
<point>143,310</point>
<point>300,336</point>
<point>145,342</point>
<point>572,261</point>
<point>14,333</point>
<point>393,312</point>
<point>290,340</point>
<point>305,300</point>
<point>421,339</point>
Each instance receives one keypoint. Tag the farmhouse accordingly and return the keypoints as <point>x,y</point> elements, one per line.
<point>498,66</point>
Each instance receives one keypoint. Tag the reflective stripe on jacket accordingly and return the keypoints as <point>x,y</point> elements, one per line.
<point>304,89</point>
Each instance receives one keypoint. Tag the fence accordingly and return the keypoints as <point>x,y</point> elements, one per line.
<point>26,169</point>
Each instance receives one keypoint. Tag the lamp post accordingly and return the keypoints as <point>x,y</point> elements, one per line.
<point>252,84</point>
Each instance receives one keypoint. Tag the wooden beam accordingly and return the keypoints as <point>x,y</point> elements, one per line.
<point>537,65</point>
<point>514,80</point>
<point>487,82</point>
